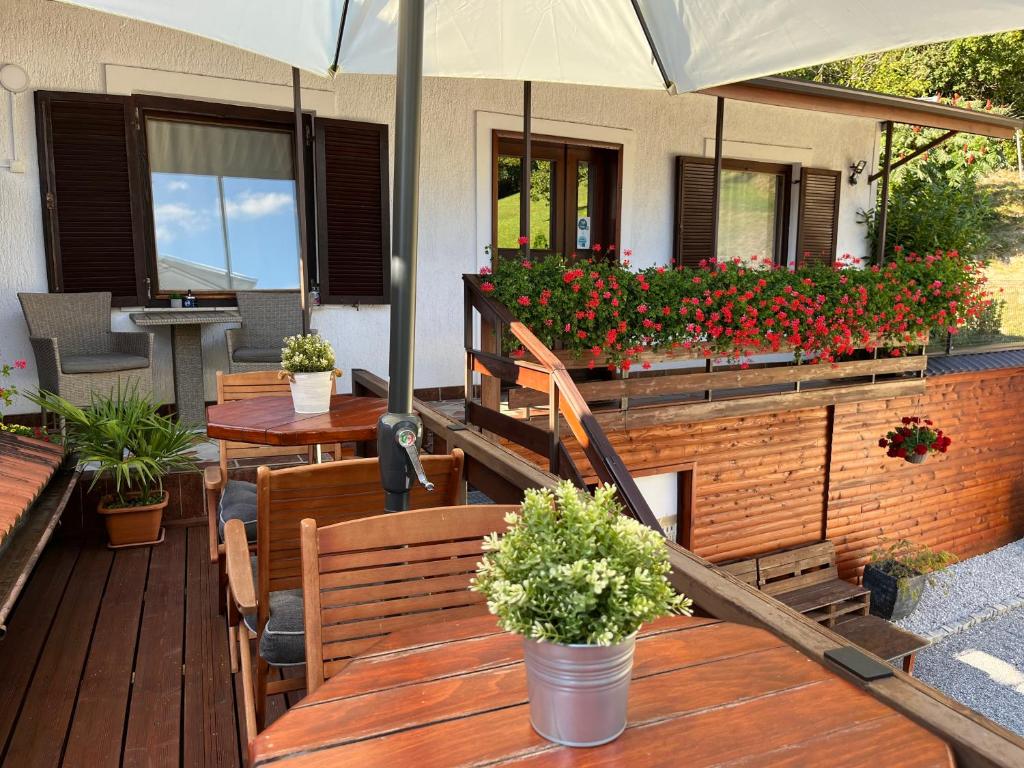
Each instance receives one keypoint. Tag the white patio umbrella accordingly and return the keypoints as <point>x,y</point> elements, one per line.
<point>679,45</point>
<point>700,43</point>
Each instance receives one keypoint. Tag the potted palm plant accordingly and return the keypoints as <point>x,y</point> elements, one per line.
<point>308,362</point>
<point>124,438</point>
<point>576,578</point>
<point>897,575</point>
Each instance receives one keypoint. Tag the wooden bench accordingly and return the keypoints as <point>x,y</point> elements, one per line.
<point>35,484</point>
<point>806,579</point>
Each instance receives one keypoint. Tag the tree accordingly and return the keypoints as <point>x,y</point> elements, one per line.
<point>990,67</point>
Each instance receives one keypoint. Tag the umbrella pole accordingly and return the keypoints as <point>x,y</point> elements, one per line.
<point>300,197</point>
<point>400,430</point>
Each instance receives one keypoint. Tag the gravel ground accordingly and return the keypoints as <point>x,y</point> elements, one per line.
<point>967,593</point>
<point>982,668</point>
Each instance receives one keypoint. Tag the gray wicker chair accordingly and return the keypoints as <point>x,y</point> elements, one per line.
<point>77,353</point>
<point>267,318</point>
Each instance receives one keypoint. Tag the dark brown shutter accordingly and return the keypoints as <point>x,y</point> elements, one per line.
<point>695,210</point>
<point>353,243</point>
<point>816,237</point>
<point>89,189</point>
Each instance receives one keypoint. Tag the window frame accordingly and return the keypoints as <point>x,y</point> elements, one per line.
<point>563,151</point>
<point>783,204</point>
<point>214,113</point>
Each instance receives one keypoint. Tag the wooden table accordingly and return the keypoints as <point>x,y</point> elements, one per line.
<point>704,693</point>
<point>885,640</point>
<point>272,421</point>
<point>187,346</point>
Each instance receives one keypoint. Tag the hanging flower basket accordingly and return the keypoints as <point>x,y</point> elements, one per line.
<point>914,440</point>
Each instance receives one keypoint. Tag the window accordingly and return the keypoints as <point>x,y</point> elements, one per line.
<point>147,196</point>
<point>753,212</point>
<point>574,195</point>
<point>224,207</point>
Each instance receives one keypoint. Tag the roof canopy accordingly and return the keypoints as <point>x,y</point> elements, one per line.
<point>683,44</point>
<point>818,97</point>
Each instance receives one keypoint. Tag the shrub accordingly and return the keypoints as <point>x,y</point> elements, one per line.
<point>573,569</point>
<point>734,310</point>
<point>935,204</point>
<point>904,559</point>
<point>307,354</point>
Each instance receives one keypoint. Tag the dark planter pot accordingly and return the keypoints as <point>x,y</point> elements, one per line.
<point>892,598</point>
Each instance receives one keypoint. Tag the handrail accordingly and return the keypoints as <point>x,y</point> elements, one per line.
<point>565,399</point>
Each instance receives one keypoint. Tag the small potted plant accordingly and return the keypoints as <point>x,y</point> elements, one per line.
<point>576,578</point>
<point>914,439</point>
<point>308,362</point>
<point>123,437</point>
<point>175,301</point>
<point>897,575</point>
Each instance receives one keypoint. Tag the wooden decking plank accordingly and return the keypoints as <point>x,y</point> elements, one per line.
<point>28,629</point>
<point>98,726</point>
<point>210,736</point>
<point>42,726</point>
<point>154,719</point>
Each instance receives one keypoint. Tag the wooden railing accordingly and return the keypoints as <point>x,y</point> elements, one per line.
<point>587,410</point>
<point>545,373</point>
<point>503,475</point>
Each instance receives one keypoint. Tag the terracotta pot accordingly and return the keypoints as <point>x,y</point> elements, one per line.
<point>133,526</point>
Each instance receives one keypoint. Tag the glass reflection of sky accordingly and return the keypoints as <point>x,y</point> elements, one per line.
<point>261,225</point>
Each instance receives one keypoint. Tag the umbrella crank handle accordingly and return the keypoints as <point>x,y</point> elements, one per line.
<point>407,439</point>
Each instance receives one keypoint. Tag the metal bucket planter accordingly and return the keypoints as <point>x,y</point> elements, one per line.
<point>916,458</point>
<point>892,597</point>
<point>578,693</point>
<point>311,392</point>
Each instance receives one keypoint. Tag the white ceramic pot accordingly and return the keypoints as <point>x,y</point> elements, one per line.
<point>311,392</point>
<point>175,303</point>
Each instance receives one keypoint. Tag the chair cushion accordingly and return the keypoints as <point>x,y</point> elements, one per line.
<point>258,355</point>
<point>284,639</point>
<point>238,502</point>
<point>103,363</point>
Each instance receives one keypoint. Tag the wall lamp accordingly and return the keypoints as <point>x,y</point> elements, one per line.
<point>857,170</point>
<point>14,80</point>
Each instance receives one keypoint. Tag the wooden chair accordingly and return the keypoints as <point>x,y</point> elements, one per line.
<point>272,601</point>
<point>366,578</point>
<point>236,499</point>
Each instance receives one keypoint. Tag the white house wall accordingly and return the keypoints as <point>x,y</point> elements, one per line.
<point>68,48</point>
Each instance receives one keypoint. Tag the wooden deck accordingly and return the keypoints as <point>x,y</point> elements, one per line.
<point>119,659</point>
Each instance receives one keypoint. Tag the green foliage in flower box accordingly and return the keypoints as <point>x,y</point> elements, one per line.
<point>573,569</point>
